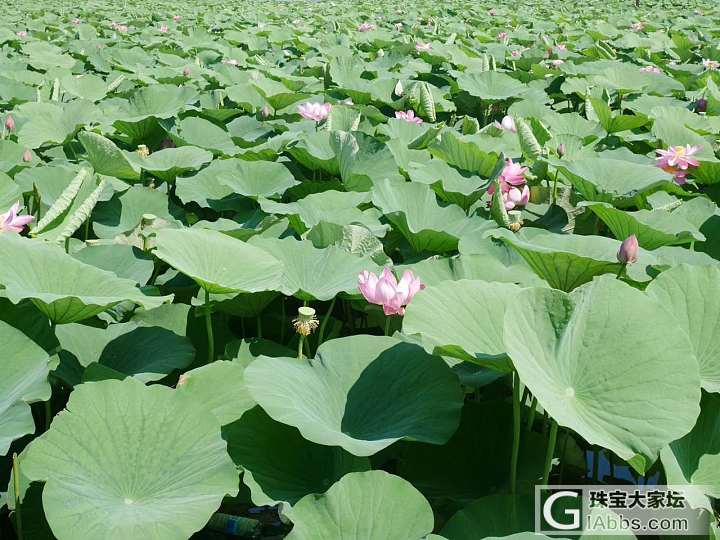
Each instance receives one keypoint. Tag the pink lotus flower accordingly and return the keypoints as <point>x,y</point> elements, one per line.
<point>385,290</point>
<point>561,47</point>
<point>76,21</point>
<point>177,18</point>
<point>492,12</point>
<point>517,53</point>
<point>638,26</point>
<point>650,69</point>
<point>677,160</point>
<point>512,185</point>
<point>408,116</point>
<point>163,28</point>
<point>503,36</point>
<point>712,65</point>
<point>366,27</point>
<point>21,33</point>
<point>516,197</point>
<point>628,252</point>
<point>122,28</point>
<point>507,124</point>
<point>186,71</point>
<point>422,47</point>
<point>513,173</point>
<point>679,157</point>
<point>10,221</point>
<point>315,111</point>
<point>557,62</point>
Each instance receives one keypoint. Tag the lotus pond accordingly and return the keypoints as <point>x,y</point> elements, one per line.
<point>358,270</point>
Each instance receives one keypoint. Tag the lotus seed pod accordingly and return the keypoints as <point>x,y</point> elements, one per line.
<point>306,322</point>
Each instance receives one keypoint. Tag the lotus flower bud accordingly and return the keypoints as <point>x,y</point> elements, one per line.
<point>265,112</point>
<point>27,156</point>
<point>628,252</point>
<point>701,105</point>
<point>561,149</point>
<point>186,71</point>
<point>399,90</point>
<point>306,322</point>
<point>9,123</point>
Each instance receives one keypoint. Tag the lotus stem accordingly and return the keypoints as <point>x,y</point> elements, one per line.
<point>301,341</point>
<point>531,416</point>
<point>550,451</point>
<point>516,432</point>
<point>48,413</point>
<point>259,326</point>
<point>326,318</point>
<point>16,487</point>
<point>209,328</point>
<point>387,325</point>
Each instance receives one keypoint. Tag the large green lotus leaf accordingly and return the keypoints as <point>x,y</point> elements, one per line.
<point>125,211</point>
<point>567,261</point>
<point>254,178</point>
<point>124,261</point>
<point>694,460</point>
<point>310,273</point>
<point>49,123</point>
<point>11,156</point>
<point>490,517</point>
<point>448,182</point>
<point>206,189</point>
<point>85,86</point>
<point>360,393</point>
<point>63,288</point>
<point>146,353</point>
<point>398,510</point>
<point>23,380</point>
<point>106,158</point>
<point>413,210</point>
<point>362,160</point>
<point>10,192</point>
<point>442,472</point>
<point>653,228</point>
<point>614,181</point>
<point>597,366</point>
<point>217,262</point>
<point>490,85</point>
<point>464,152</point>
<point>170,162</point>
<point>279,465</point>
<point>204,134</point>
<point>125,460</point>
<point>686,292</point>
<point>156,100</point>
<point>337,207</point>
<point>220,387</point>
<point>448,318</point>
<point>315,151</point>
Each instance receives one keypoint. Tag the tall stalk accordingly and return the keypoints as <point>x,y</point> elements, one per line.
<point>209,328</point>
<point>516,432</point>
